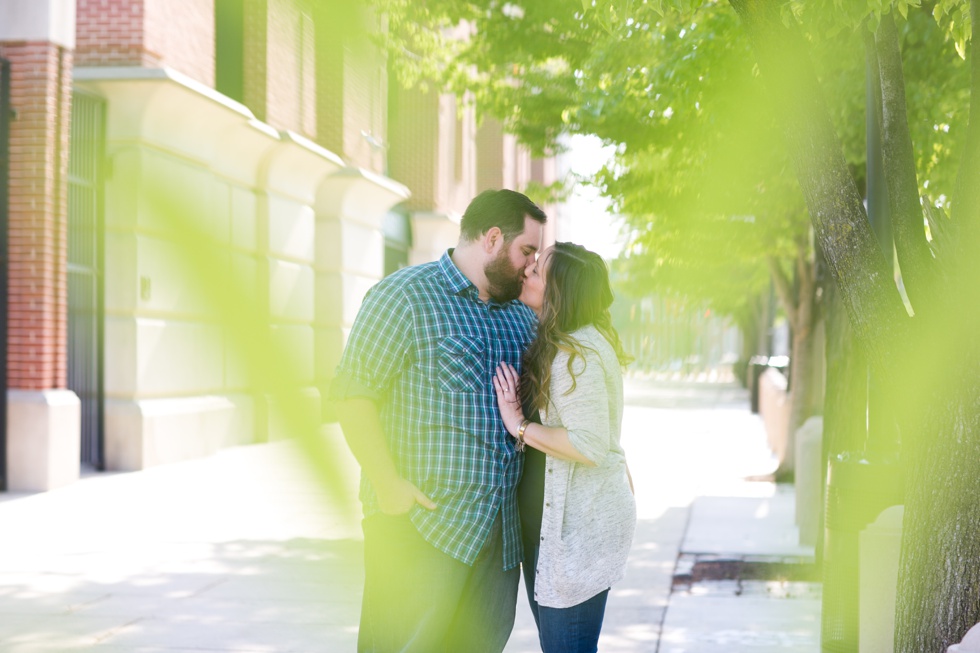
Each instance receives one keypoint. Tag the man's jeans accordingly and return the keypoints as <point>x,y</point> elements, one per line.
<point>564,630</point>
<point>417,598</point>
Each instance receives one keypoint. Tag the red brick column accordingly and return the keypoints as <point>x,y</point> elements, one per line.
<point>41,75</point>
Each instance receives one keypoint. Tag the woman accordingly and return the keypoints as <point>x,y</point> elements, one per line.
<point>576,498</point>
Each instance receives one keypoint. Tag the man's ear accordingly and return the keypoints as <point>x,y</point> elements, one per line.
<point>491,238</point>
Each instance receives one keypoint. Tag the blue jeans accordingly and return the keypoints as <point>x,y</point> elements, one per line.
<point>419,599</point>
<point>564,630</point>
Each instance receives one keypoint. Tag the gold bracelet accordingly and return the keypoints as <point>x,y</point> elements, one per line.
<point>520,434</point>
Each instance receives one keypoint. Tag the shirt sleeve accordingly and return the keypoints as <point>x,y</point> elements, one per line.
<point>584,411</point>
<point>378,347</point>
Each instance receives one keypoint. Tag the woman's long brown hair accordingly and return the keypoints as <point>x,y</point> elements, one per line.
<point>576,294</point>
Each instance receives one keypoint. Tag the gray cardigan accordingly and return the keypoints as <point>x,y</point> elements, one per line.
<point>589,512</point>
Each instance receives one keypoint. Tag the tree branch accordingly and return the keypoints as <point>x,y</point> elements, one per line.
<point>836,209</point>
<point>898,161</point>
<point>966,202</point>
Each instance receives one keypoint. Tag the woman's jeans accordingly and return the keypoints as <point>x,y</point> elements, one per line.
<point>564,630</point>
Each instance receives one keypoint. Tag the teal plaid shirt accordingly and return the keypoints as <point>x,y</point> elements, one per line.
<point>424,348</point>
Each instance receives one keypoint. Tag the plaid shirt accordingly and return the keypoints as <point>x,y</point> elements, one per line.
<point>425,348</point>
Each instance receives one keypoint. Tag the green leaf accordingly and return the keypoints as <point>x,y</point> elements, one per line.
<point>960,46</point>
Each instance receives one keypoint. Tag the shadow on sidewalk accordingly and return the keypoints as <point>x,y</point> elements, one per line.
<point>293,595</point>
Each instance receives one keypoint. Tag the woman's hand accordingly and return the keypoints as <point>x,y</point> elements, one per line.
<point>505,382</point>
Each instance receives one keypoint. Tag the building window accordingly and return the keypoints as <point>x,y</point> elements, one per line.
<point>398,240</point>
<point>229,46</point>
<point>458,150</point>
<point>306,55</point>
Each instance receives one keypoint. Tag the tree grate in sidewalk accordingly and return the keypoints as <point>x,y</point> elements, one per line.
<point>693,568</point>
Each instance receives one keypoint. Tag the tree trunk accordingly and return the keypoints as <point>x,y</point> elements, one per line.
<point>846,393</point>
<point>898,162</point>
<point>836,208</point>
<point>931,365</point>
<point>750,324</point>
<point>799,304</point>
<point>939,571</point>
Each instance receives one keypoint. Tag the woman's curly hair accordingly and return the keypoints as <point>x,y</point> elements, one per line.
<point>576,294</point>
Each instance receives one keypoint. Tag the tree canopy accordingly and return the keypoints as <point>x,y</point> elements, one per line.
<point>701,174</point>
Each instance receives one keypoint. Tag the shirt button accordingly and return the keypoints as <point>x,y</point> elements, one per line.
<point>547,505</point>
<point>542,538</point>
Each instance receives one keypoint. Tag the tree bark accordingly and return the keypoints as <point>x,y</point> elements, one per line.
<point>939,570</point>
<point>845,397</point>
<point>847,384</point>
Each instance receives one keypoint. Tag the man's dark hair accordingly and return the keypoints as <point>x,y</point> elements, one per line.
<point>505,209</point>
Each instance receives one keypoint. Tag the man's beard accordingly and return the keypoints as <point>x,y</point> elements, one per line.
<point>505,280</point>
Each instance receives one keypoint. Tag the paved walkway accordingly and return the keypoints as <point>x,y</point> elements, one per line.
<point>244,551</point>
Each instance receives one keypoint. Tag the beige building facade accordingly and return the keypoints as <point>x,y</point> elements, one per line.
<point>268,129</point>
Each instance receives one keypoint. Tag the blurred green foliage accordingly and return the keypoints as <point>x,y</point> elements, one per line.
<point>701,175</point>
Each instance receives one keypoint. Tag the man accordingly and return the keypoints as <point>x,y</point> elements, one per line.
<point>416,403</point>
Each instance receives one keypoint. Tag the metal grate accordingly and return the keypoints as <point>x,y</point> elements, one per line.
<point>85,243</point>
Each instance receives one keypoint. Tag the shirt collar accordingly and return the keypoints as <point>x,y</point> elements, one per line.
<point>456,281</point>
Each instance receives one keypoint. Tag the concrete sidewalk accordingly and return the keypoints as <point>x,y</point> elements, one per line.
<point>245,551</point>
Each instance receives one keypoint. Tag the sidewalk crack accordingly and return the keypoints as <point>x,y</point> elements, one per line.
<point>209,586</point>
<point>110,633</point>
<point>75,607</point>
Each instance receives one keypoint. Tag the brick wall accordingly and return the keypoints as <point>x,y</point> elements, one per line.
<point>501,161</point>
<point>110,33</point>
<point>330,30</point>
<point>37,305</point>
<point>290,92</point>
<point>490,155</point>
<point>352,86</point>
<point>413,130</point>
<point>365,104</point>
<point>456,169</point>
<point>178,34</point>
